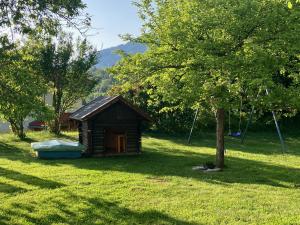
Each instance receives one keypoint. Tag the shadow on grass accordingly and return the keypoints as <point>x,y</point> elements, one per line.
<point>10,189</point>
<point>90,211</point>
<point>162,160</point>
<point>64,136</point>
<point>178,163</point>
<point>29,140</point>
<point>258,143</point>
<point>29,179</point>
<point>14,153</point>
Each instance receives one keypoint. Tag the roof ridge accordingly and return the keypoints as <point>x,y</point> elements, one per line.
<point>90,104</point>
<point>101,103</point>
<point>112,98</point>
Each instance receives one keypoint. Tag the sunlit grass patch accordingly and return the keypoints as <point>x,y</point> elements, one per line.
<point>259,185</point>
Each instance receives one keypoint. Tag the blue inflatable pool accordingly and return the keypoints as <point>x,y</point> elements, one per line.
<point>58,149</point>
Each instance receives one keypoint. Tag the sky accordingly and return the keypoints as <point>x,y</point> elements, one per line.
<point>111,18</point>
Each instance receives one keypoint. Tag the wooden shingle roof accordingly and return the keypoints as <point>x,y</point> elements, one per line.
<point>99,104</point>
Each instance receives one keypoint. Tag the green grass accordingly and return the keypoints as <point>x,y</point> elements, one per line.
<point>259,185</point>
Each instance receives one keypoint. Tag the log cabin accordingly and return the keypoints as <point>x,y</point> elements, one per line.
<point>110,125</point>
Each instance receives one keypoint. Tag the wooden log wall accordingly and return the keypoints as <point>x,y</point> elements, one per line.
<point>98,138</point>
<point>80,132</point>
<point>121,119</point>
<point>132,138</point>
<point>86,135</point>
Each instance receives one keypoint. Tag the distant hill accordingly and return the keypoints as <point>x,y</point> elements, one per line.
<point>108,57</point>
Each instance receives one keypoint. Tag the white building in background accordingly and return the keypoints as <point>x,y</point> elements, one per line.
<point>5,126</point>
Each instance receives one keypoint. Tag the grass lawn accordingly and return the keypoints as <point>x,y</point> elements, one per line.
<point>259,185</point>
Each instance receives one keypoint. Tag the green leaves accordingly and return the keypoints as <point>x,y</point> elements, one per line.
<point>26,16</point>
<point>21,87</point>
<point>66,68</point>
<point>290,4</point>
<point>214,52</point>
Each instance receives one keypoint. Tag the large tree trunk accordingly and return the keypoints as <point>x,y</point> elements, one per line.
<point>55,126</point>
<point>17,128</point>
<point>220,119</point>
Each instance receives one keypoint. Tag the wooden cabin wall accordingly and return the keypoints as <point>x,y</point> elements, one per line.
<point>132,139</point>
<point>86,135</point>
<point>119,113</point>
<point>80,132</point>
<point>139,134</point>
<point>119,117</point>
<point>97,137</point>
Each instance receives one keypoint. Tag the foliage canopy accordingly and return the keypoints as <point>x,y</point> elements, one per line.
<point>210,53</point>
<point>66,69</point>
<point>22,88</point>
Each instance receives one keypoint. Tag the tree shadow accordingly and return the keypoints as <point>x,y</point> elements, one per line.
<point>258,143</point>
<point>265,145</point>
<point>163,162</point>
<point>29,179</point>
<point>64,136</point>
<point>14,153</point>
<point>10,189</point>
<point>90,211</point>
<point>29,140</point>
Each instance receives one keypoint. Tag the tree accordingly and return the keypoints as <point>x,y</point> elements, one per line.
<point>104,83</point>
<point>35,17</point>
<point>209,52</point>
<point>21,88</point>
<point>29,16</point>
<point>67,70</point>
<point>292,3</point>
<point>19,82</point>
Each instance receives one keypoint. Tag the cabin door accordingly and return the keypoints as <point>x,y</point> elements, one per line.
<point>115,140</point>
<point>121,143</point>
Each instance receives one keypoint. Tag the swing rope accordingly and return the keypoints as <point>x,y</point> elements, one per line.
<point>240,122</point>
<point>240,119</point>
<point>229,122</point>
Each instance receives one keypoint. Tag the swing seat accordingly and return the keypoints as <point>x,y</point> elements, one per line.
<point>235,134</point>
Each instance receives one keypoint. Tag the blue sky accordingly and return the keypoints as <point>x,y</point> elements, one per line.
<point>111,18</point>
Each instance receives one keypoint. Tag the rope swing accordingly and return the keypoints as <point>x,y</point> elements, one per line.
<point>239,132</point>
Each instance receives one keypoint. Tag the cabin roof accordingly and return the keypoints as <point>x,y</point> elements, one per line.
<point>99,104</point>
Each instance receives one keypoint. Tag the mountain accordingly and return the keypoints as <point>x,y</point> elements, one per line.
<point>108,57</point>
